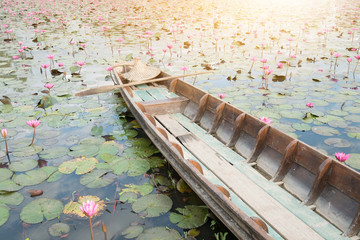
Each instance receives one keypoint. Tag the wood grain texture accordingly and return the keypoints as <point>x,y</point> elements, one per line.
<point>260,143</point>
<point>218,116</point>
<point>201,110</point>
<point>286,161</point>
<point>287,224</point>
<point>239,122</point>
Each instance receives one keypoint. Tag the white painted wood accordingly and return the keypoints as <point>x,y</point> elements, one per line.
<point>281,219</point>
<point>172,125</point>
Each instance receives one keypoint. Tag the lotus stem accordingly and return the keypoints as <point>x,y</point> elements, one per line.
<point>32,141</point>
<point>91,230</point>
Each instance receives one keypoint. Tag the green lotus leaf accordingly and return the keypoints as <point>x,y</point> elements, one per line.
<point>96,179</point>
<point>107,157</point>
<point>354,161</point>
<point>337,142</point>
<point>138,166</point>
<point>153,205</point>
<point>5,174</point>
<point>86,150</point>
<point>110,147</point>
<point>54,152</point>
<point>140,142</point>
<point>4,214</point>
<point>73,207</point>
<point>59,229</point>
<point>353,118</point>
<point>92,141</point>
<point>32,177</point>
<point>27,151</point>
<point>119,166</point>
<point>301,127</point>
<point>292,114</point>
<point>41,208</point>
<point>9,186</point>
<point>97,131</point>
<point>325,131</point>
<point>47,134</point>
<point>143,189</point>
<point>156,162</point>
<point>23,165</point>
<point>132,232</point>
<point>81,165</point>
<point>129,197</point>
<point>190,217</point>
<point>13,198</point>
<point>159,233</point>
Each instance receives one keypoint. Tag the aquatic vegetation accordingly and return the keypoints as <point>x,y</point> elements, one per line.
<point>342,157</point>
<point>90,208</point>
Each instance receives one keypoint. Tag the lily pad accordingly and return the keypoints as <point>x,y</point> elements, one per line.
<point>160,233</point>
<point>9,186</point>
<point>41,208</point>
<point>138,166</point>
<point>132,232</point>
<point>55,152</point>
<point>144,189</point>
<point>59,229</point>
<point>190,217</point>
<point>96,179</point>
<point>86,150</point>
<point>337,142</point>
<point>81,165</point>
<point>5,174</point>
<point>301,127</point>
<point>129,197</point>
<point>325,131</point>
<point>14,198</point>
<point>153,205</point>
<point>27,151</point>
<point>354,160</point>
<point>23,166</point>
<point>30,178</point>
<point>4,214</point>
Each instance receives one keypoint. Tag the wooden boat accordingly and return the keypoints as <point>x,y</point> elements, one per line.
<point>273,180</point>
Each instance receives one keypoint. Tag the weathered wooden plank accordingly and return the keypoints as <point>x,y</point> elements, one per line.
<point>236,133</point>
<point>156,93</point>
<point>165,106</point>
<point>201,109</point>
<point>319,224</point>
<point>144,95</point>
<point>167,93</point>
<point>286,223</point>
<point>217,119</point>
<point>172,125</point>
<point>213,179</point>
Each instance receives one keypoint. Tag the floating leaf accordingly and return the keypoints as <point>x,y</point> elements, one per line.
<point>129,197</point>
<point>9,186</point>
<point>132,232</point>
<point>96,179</point>
<point>337,142</point>
<point>59,229</point>
<point>160,233</point>
<point>182,187</point>
<point>144,189</point>
<point>97,131</point>
<point>14,198</point>
<point>138,166</point>
<point>27,151</point>
<point>81,165</point>
<point>4,214</point>
<point>30,178</point>
<point>119,166</point>
<point>354,161</point>
<point>190,217</point>
<point>325,131</point>
<point>35,211</point>
<point>110,147</point>
<point>156,162</point>
<point>55,152</point>
<point>86,150</point>
<point>153,205</point>
<point>5,174</point>
<point>23,165</point>
<point>301,127</point>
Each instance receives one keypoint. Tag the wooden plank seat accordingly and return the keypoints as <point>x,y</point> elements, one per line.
<point>319,224</point>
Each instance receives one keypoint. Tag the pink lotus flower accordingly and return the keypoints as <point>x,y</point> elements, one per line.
<point>254,59</point>
<point>184,68</point>
<point>357,57</point>
<point>45,66</point>
<point>266,120</point>
<point>280,65</point>
<point>50,56</point>
<point>49,85</point>
<point>170,46</point>
<point>337,55</point>
<point>310,105</point>
<point>221,95</point>
<point>60,64</point>
<point>342,157</point>
<point>33,123</point>
<point>349,59</point>
<point>15,57</point>
<point>263,60</point>
<point>4,132</point>
<point>109,68</point>
<point>293,56</point>
<point>80,63</point>
<point>89,208</point>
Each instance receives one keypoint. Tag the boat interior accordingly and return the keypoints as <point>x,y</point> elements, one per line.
<point>295,189</point>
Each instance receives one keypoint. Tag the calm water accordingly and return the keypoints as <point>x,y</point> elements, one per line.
<point>217,35</point>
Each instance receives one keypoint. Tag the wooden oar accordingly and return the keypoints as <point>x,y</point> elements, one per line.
<point>104,89</point>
